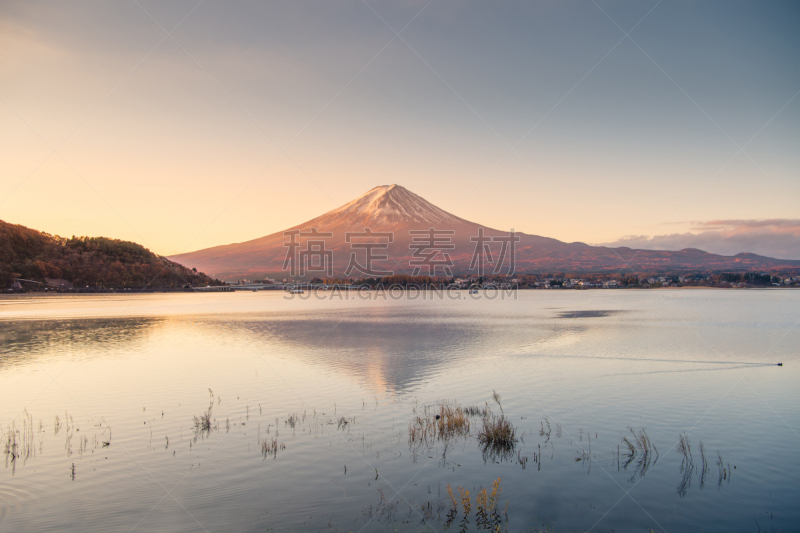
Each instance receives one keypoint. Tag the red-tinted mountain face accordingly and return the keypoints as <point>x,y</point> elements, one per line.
<point>404,222</point>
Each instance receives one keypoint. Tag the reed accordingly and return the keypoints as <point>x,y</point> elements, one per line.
<point>640,448</point>
<point>496,398</point>
<point>522,459</point>
<point>703,465</point>
<point>271,447</point>
<point>545,432</point>
<point>386,509</point>
<point>466,503</point>
<point>202,423</point>
<point>475,411</point>
<point>685,449</point>
<point>344,422</point>
<point>687,464</point>
<point>487,512</point>
<point>20,442</point>
<point>452,514</point>
<point>444,422</point>
<point>497,438</point>
<point>11,445</point>
<point>497,431</point>
<point>724,472</point>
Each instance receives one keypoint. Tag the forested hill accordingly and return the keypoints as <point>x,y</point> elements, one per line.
<point>94,261</point>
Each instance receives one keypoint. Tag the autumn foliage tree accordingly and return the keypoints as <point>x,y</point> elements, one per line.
<point>93,261</point>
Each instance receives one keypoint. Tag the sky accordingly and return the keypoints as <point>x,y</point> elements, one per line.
<point>183,125</point>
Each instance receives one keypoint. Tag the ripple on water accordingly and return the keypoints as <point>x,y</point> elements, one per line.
<point>13,499</point>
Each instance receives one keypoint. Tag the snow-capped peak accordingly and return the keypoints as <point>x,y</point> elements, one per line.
<point>388,205</point>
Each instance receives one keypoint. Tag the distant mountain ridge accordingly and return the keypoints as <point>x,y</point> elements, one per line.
<point>395,209</point>
<point>98,262</point>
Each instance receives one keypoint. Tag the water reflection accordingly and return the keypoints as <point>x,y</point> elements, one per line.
<point>391,356</point>
<point>593,375</point>
<point>23,439</point>
<point>639,452</point>
<point>687,468</point>
<point>598,313</point>
<point>391,352</point>
<point>28,340</point>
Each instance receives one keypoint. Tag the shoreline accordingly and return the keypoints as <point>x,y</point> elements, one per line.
<point>133,292</point>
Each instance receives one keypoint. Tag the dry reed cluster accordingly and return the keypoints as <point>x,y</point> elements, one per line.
<point>497,438</point>
<point>640,448</point>
<point>271,447</point>
<point>487,513</point>
<point>446,421</point>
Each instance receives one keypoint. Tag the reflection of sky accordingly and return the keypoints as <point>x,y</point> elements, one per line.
<point>396,345</point>
<point>662,364</point>
<point>616,142</point>
<point>24,341</point>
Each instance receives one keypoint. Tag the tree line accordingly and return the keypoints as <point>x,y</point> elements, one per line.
<point>98,262</point>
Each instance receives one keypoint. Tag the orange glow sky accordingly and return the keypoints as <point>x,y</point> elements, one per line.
<point>252,118</point>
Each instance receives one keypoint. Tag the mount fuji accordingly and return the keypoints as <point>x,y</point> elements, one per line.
<point>396,210</point>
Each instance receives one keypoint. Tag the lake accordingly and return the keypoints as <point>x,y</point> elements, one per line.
<point>264,412</point>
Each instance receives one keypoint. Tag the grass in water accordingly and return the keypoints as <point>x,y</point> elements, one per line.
<point>487,513</point>
<point>271,447</point>
<point>497,438</point>
<point>202,423</point>
<point>446,421</point>
<point>639,448</point>
<point>687,464</point>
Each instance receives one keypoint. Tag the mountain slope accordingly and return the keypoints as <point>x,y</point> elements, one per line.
<point>392,208</point>
<point>94,261</point>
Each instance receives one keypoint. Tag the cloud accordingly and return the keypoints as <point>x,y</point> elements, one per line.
<point>779,238</point>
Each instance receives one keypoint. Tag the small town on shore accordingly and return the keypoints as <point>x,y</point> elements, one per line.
<point>724,280</point>
<point>529,281</point>
<point>548,281</point>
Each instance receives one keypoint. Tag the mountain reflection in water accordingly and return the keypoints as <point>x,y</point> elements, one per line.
<point>250,412</point>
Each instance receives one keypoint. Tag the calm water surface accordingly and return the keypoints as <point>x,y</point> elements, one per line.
<point>98,396</point>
